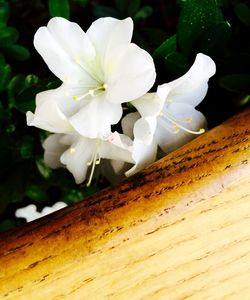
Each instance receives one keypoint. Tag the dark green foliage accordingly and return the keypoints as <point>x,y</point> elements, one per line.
<point>172,31</point>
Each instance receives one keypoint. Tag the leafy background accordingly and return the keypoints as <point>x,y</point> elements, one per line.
<point>172,31</point>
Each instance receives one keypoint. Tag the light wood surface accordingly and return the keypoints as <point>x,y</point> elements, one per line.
<point>178,230</point>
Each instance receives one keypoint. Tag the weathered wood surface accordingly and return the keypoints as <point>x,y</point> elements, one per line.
<point>178,230</point>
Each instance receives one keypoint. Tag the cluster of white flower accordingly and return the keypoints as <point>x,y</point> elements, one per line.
<point>100,70</point>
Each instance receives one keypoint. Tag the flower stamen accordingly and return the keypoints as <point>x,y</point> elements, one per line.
<point>176,124</point>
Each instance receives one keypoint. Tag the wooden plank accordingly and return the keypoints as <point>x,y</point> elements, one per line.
<point>178,230</point>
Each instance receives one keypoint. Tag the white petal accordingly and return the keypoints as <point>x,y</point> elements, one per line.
<point>128,123</point>
<point>48,116</point>
<point>188,117</point>
<point>109,33</point>
<point>143,156</point>
<point>149,104</point>
<point>117,147</point>
<point>28,212</point>
<point>58,59</point>
<point>53,150</point>
<point>71,38</point>
<point>144,129</point>
<point>77,157</point>
<point>48,210</point>
<point>130,75</point>
<point>95,118</point>
<point>191,88</point>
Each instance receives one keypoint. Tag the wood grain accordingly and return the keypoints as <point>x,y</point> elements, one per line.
<point>178,230</point>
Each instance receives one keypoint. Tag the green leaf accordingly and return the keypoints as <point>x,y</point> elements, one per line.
<point>27,146</point>
<point>243,13</point>
<point>16,52</point>
<point>44,170</point>
<point>8,35</point>
<point>4,12</point>
<point>31,80</point>
<point>8,224</point>
<point>133,7</point>
<point>215,39</point>
<point>59,8</point>
<point>82,3</point>
<point>239,83</point>
<point>16,84</point>
<point>195,18</point>
<point>25,101</point>
<point>4,77</point>
<point>143,13</point>
<point>104,11</point>
<point>166,48</point>
<point>36,193</point>
<point>176,62</point>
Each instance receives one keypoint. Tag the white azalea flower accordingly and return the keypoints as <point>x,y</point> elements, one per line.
<point>80,155</point>
<point>100,69</point>
<point>30,212</point>
<point>169,116</point>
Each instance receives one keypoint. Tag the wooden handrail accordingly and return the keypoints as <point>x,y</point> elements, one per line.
<point>180,229</point>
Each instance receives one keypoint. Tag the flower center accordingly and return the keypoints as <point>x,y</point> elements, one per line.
<point>175,124</point>
<point>100,89</point>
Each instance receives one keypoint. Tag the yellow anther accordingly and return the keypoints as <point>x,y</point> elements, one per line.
<point>189,120</point>
<point>72,150</point>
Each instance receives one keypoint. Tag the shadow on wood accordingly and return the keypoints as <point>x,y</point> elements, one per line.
<point>178,230</point>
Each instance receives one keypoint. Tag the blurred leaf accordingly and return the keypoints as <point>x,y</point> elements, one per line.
<point>9,223</point>
<point>133,7</point>
<point>166,48</point>
<point>243,13</point>
<point>82,3</point>
<point>31,80</point>
<point>16,84</point>
<point>215,39</point>
<point>44,170</point>
<point>4,12</point>
<point>26,147</point>
<point>25,101</point>
<point>239,83</point>
<point>195,18</point>
<point>59,8</point>
<point>104,11</point>
<point>143,13</point>
<point>5,72</point>
<point>16,52</point>
<point>72,196</point>
<point>177,63</point>
<point>37,193</point>
<point>8,35</point>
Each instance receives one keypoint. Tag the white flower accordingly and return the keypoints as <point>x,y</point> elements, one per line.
<point>169,115</point>
<point>30,212</point>
<point>80,155</point>
<point>100,69</point>
<point>169,118</point>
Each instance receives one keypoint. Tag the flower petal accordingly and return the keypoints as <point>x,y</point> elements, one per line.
<point>128,123</point>
<point>143,156</point>
<point>48,116</point>
<point>109,33</point>
<point>185,115</point>
<point>150,104</point>
<point>56,55</point>
<point>95,118</point>
<point>144,129</point>
<point>117,147</point>
<point>77,157</point>
<point>53,150</point>
<point>191,88</point>
<point>130,75</point>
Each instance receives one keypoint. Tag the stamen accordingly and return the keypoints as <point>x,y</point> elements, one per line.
<point>95,160</point>
<point>92,93</point>
<point>168,127</point>
<point>175,122</point>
